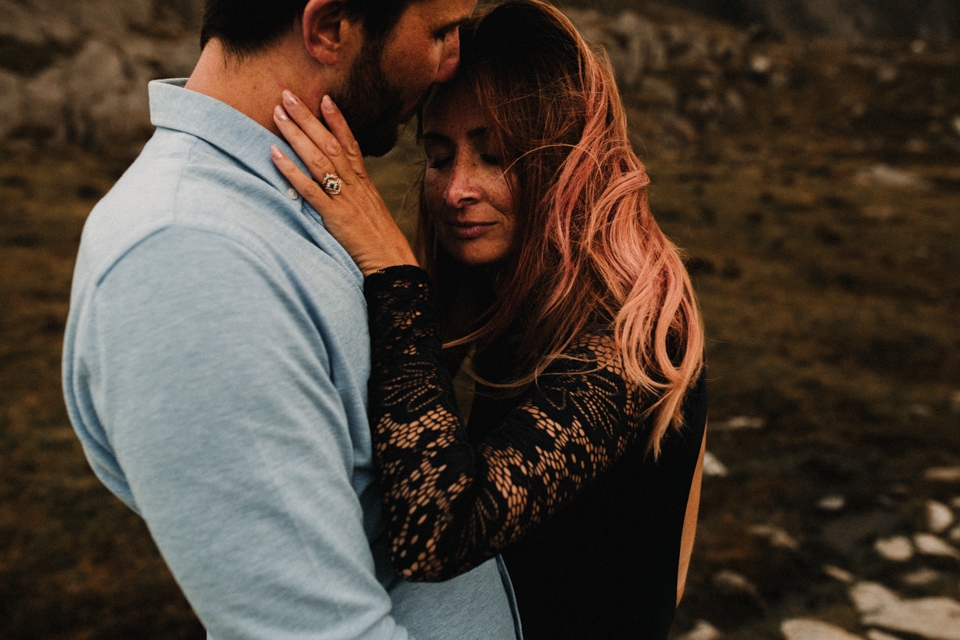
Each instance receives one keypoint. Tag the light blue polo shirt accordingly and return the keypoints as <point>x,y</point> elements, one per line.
<point>215,369</point>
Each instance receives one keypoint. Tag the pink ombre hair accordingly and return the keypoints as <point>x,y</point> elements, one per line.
<point>588,249</point>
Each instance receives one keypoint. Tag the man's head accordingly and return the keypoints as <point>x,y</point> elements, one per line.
<point>407,45</point>
<point>248,26</point>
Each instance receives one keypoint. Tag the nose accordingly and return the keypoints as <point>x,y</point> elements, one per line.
<point>462,189</point>
<point>449,57</point>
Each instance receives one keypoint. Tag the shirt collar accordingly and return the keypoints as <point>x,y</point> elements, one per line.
<point>172,106</point>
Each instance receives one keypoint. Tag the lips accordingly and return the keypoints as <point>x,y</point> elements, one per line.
<point>468,230</point>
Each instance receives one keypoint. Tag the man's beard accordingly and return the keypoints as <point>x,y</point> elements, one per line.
<point>372,106</point>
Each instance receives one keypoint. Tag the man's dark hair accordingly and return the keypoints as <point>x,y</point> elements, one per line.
<point>248,26</point>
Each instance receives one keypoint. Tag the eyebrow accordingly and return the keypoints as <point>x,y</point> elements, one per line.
<point>473,134</point>
<point>434,137</point>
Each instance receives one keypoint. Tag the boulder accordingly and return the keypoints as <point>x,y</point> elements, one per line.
<point>939,516</point>
<point>852,20</point>
<point>702,631</point>
<point>895,549</point>
<point>17,22</point>
<point>156,58</point>
<point>97,16</point>
<point>776,536</point>
<point>93,81</point>
<point>712,467</point>
<point>45,120</point>
<point>805,629</point>
<point>930,545</point>
<point>10,102</point>
<point>632,44</point>
<point>931,618</point>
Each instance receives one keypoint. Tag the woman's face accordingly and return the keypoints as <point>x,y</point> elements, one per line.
<point>468,194</point>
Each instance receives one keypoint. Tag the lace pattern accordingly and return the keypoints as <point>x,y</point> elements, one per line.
<point>450,505</point>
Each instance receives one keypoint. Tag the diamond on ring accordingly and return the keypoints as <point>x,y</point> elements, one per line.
<point>331,183</point>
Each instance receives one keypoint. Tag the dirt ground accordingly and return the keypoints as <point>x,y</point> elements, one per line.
<point>823,240</point>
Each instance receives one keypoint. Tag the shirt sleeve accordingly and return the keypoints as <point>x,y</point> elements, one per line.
<point>449,504</point>
<point>214,388</point>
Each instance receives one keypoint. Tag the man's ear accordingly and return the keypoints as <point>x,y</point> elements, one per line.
<point>326,31</point>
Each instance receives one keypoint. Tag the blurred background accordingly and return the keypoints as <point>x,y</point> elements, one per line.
<point>804,153</point>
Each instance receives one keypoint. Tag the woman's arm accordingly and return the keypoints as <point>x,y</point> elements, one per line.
<point>450,505</point>
<point>690,521</point>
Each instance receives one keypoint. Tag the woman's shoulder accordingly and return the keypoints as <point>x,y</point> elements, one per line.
<point>597,344</point>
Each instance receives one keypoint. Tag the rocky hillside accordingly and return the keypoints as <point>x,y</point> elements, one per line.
<point>75,72</point>
<point>937,20</point>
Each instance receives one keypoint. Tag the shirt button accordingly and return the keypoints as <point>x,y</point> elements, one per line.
<point>293,194</point>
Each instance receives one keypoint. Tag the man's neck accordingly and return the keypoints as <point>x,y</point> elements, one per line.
<point>252,84</point>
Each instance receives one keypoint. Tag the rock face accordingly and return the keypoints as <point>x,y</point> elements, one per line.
<point>933,618</point>
<point>929,19</point>
<point>802,629</point>
<point>937,20</point>
<point>77,72</point>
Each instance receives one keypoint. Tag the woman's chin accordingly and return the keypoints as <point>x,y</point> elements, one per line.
<point>473,255</point>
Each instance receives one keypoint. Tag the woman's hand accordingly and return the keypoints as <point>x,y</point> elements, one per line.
<point>356,216</point>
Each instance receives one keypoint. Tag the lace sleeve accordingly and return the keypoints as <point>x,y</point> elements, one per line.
<point>449,505</point>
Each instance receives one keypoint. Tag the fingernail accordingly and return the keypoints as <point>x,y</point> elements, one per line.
<point>327,104</point>
<point>280,114</point>
<point>289,99</point>
<point>276,153</point>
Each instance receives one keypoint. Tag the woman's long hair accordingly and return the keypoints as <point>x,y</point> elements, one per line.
<point>588,249</point>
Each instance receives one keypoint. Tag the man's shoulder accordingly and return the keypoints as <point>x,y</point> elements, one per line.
<point>182,183</point>
<point>178,175</point>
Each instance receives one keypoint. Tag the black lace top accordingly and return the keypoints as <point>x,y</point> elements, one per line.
<point>451,500</point>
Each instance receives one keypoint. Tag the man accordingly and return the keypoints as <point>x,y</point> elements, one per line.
<point>216,354</point>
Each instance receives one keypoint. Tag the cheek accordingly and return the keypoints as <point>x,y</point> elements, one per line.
<point>432,189</point>
<point>508,209</point>
<point>413,65</point>
<point>421,64</point>
<point>502,196</point>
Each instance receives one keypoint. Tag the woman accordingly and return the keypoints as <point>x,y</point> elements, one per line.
<point>580,460</point>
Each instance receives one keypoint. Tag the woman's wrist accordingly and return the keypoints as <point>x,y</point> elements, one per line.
<point>398,272</point>
<point>384,265</point>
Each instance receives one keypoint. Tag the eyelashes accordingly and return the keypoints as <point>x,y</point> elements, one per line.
<point>438,164</point>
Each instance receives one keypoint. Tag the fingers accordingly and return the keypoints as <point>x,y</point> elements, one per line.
<point>337,143</point>
<point>341,130</point>
<point>317,162</point>
<point>303,183</point>
<point>313,128</point>
<point>314,144</point>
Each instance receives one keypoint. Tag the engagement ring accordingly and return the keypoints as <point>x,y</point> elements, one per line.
<point>331,183</point>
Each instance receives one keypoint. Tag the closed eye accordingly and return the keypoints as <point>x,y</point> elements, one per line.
<point>440,36</point>
<point>438,149</point>
<point>446,31</point>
